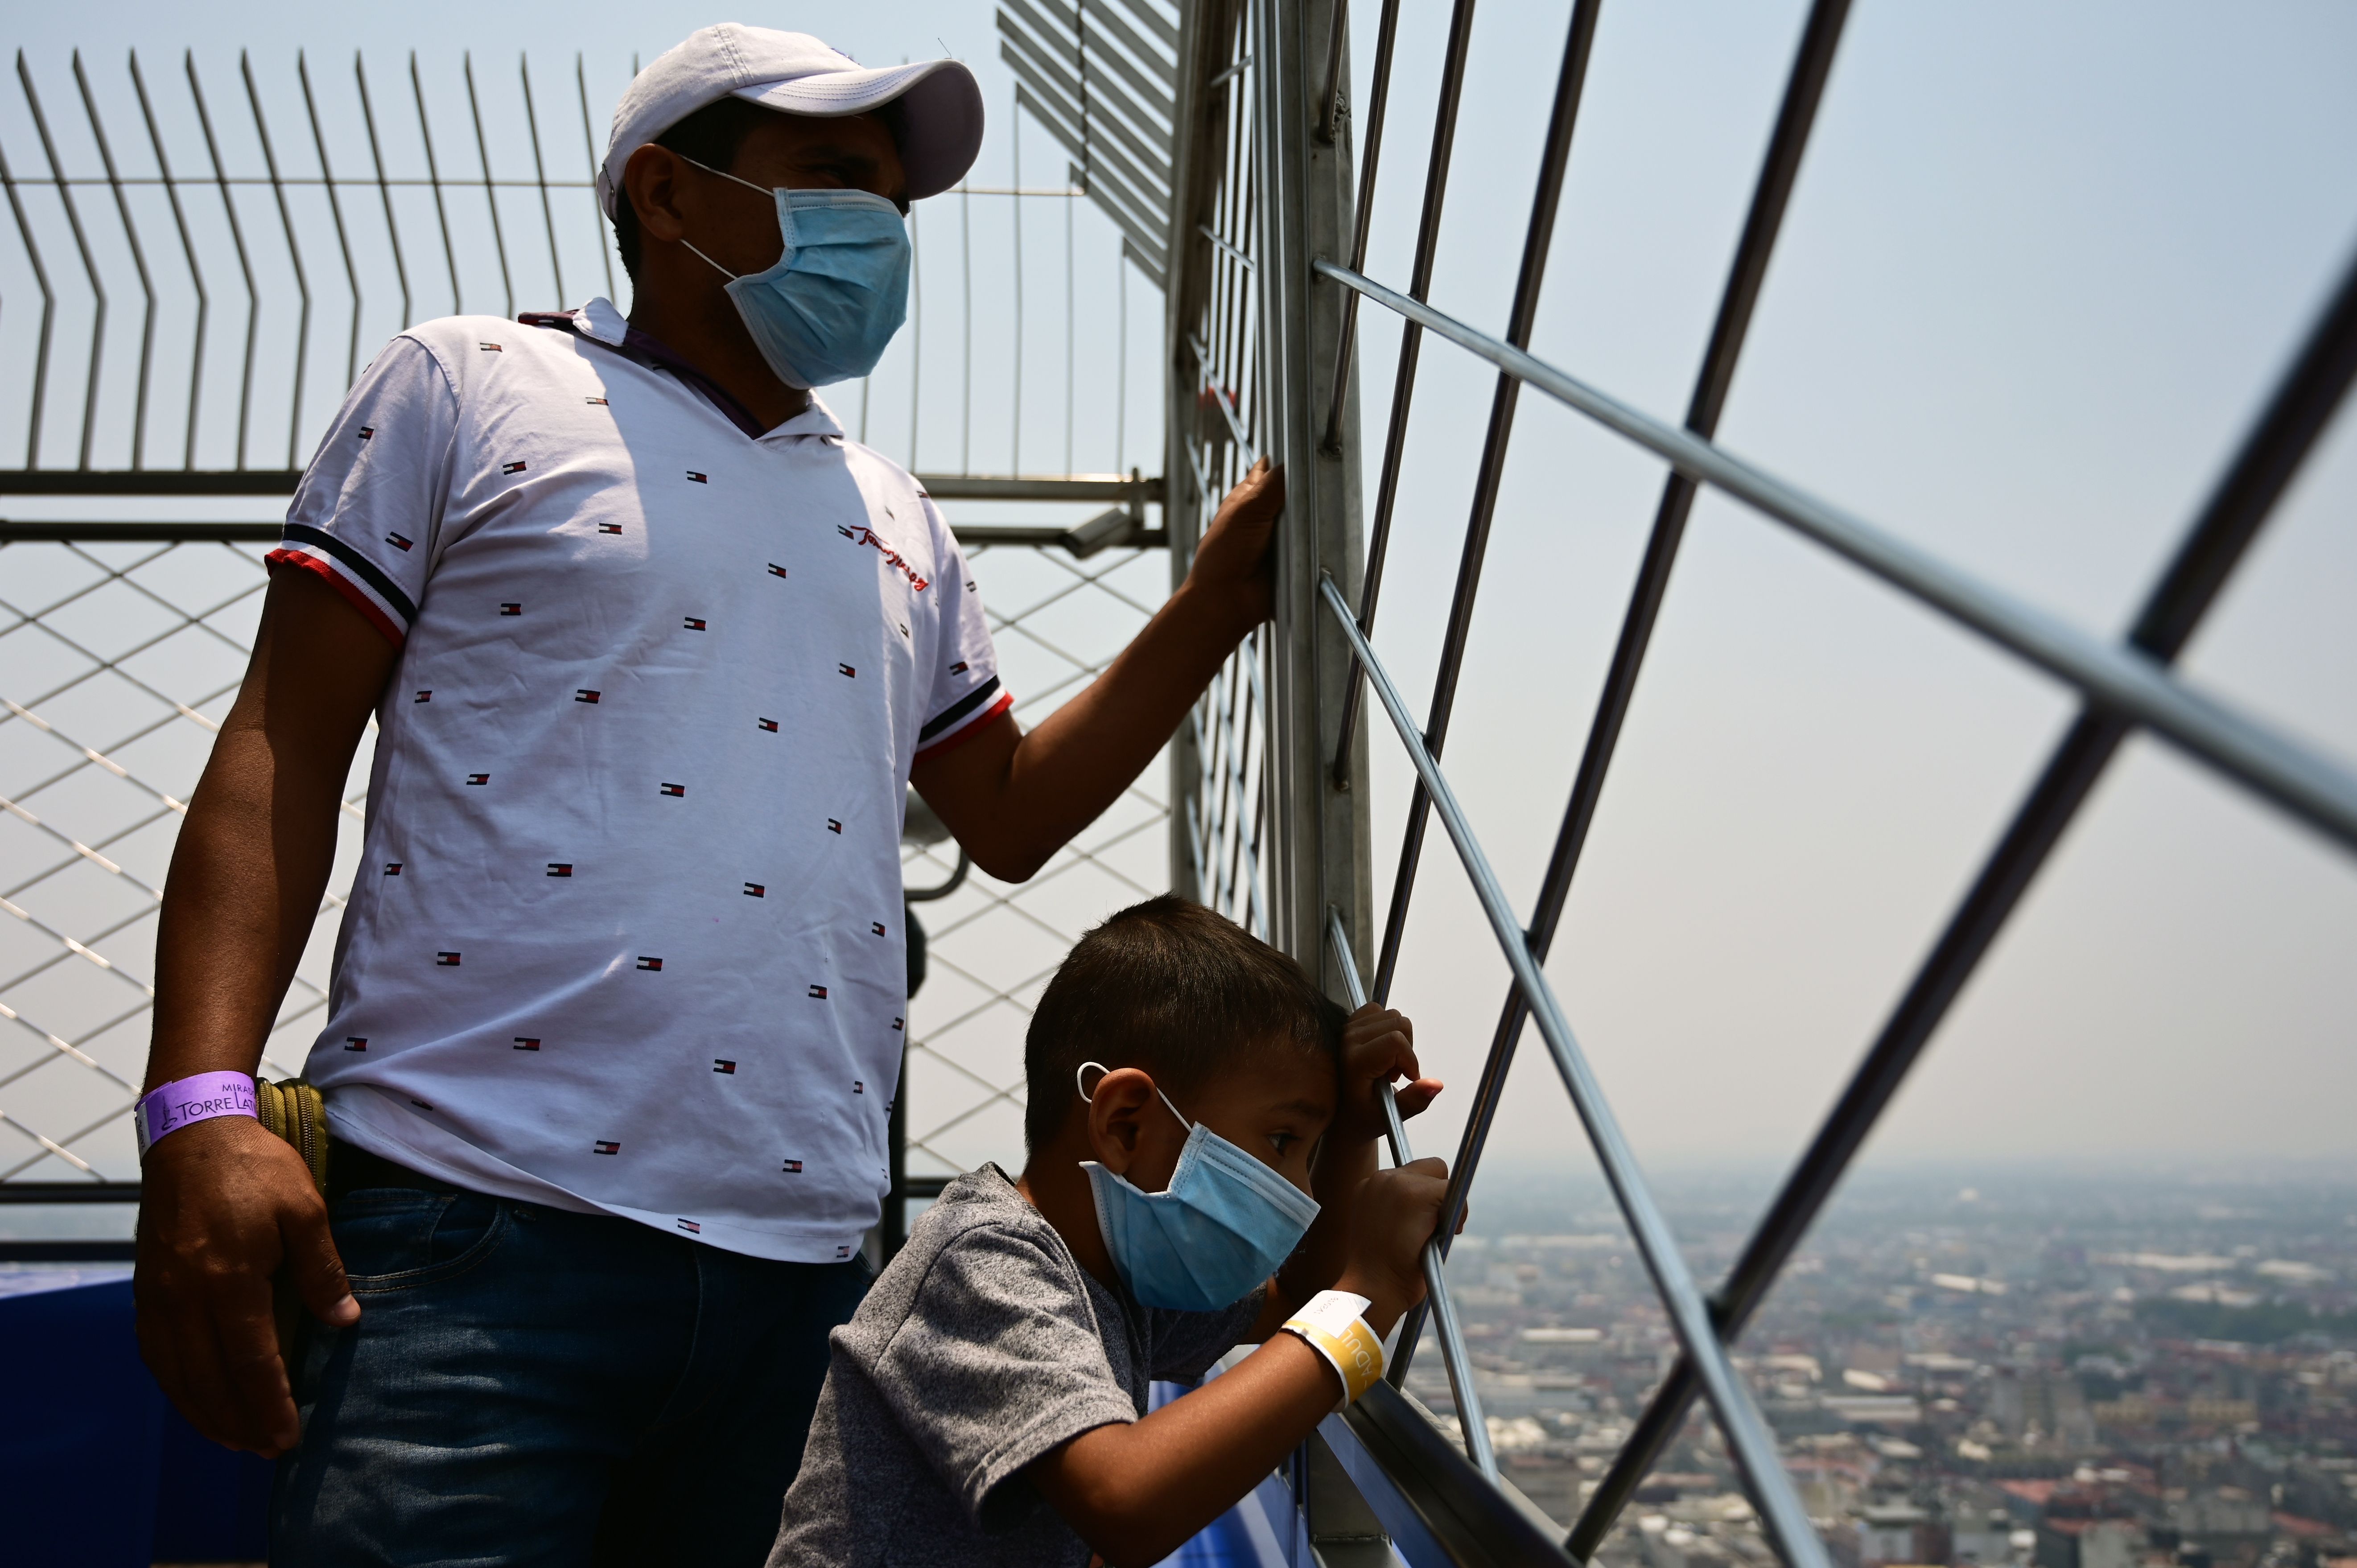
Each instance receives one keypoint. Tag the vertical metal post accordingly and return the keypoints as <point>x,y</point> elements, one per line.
<point>1319,850</point>
<point>1204,28</point>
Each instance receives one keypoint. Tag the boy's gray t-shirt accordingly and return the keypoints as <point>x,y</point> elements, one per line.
<point>983,1344</point>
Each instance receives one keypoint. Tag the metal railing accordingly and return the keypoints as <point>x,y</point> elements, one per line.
<point>1433,1506</point>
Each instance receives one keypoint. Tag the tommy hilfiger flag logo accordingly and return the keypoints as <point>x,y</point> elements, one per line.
<point>756,890</point>
<point>560,868</point>
<point>367,431</point>
<point>355,1043</point>
<point>699,478</point>
<point>478,778</point>
<point>818,992</point>
<point>650,963</point>
<point>425,696</point>
<point>833,826</point>
<point>692,623</point>
<point>722,1063</point>
<point>898,1022</point>
<point>769,724</point>
<point>512,467</point>
<point>690,1226</point>
<point>843,1252</point>
<point>594,402</point>
<point>445,961</point>
<point>857,1087</point>
<point>510,609</point>
<point>393,868</point>
<point>876,926</point>
<point>776,570</point>
<point>396,541</point>
<point>792,1167</point>
<point>491,347</point>
<point>959,667</point>
<point>583,694</point>
<point>608,527</point>
<point>674,790</point>
<point>847,670</point>
<point>604,1146</point>
<point>527,1043</point>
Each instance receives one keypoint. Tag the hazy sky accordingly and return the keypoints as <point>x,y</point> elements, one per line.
<point>2042,261</point>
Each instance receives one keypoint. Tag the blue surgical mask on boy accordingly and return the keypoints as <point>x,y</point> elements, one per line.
<point>1204,1243</point>
<point>839,291</point>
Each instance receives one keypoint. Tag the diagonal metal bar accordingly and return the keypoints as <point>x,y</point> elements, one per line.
<point>539,178</point>
<point>384,187</point>
<point>294,255</point>
<point>589,146</point>
<point>434,179</point>
<point>1749,1440</point>
<point>49,315</point>
<point>1803,90</point>
<point>2297,776</point>
<point>2271,454</point>
<point>1428,246</point>
<point>82,244</point>
<point>138,261</point>
<point>188,250</point>
<point>1453,1354</point>
<point>490,197</point>
<point>245,260</point>
<point>336,211</point>
<point>1537,240</point>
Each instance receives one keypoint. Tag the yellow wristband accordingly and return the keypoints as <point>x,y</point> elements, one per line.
<point>1331,1325</point>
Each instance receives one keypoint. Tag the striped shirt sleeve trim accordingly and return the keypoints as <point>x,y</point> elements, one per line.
<point>947,719</point>
<point>353,593</point>
<point>963,720</point>
<point>359,566</point>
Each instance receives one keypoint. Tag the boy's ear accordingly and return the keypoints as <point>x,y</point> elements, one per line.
<point>1116,1115</point>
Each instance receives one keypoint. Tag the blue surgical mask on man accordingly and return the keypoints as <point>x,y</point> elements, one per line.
<point>828,309</point>
<point>1221,1227</point>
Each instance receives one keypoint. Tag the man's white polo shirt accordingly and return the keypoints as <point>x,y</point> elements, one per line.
<point>627,934</point>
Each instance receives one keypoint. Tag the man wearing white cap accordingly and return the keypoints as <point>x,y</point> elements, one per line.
<point>654,651</point>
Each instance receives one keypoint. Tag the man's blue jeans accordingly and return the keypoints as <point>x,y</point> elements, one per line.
<point>527,1386</point>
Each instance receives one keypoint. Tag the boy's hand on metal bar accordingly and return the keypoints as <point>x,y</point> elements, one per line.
<point>1390,1225</point>
<point>1379,1047</point>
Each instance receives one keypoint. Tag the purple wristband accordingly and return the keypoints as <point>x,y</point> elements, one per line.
<point>187,1099</point>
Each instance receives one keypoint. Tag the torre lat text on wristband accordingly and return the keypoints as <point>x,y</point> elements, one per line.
<point>185,1101</point>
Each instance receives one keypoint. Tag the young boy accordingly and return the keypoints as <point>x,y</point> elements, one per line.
<point>1197,1109</point>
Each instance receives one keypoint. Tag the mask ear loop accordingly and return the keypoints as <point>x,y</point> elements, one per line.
<point>724,174</point>
<point>1088,1098</point>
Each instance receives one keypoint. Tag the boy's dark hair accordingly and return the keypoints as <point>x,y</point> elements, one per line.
<point>711,136</point>
<point>1168,987</point>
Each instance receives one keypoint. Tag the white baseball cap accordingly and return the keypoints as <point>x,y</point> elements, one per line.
<point>940,129</point>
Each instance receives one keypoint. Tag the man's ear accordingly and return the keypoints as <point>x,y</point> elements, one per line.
<point>650,182</point>
<point>1118,1111</point>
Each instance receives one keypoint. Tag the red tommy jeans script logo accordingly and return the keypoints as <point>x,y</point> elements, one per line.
<point>866,535</point>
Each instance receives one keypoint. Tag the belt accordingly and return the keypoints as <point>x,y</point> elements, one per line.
<point>350,1169</point>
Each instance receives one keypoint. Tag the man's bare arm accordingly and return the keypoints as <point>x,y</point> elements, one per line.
<point>224,1203</point>
<point>1013,799</point>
